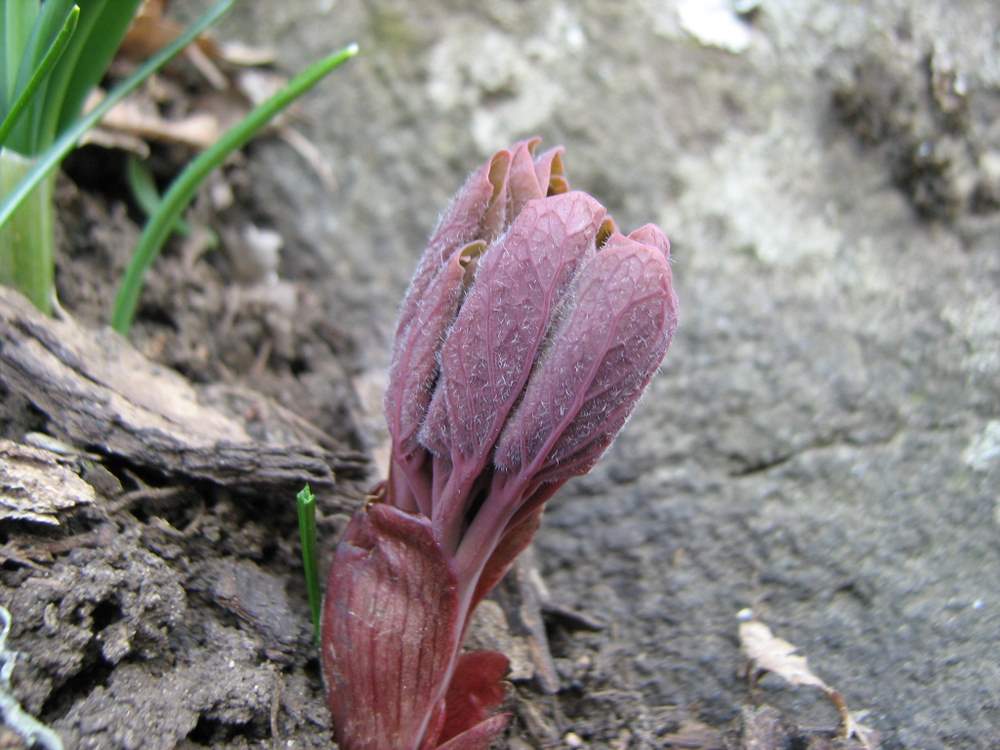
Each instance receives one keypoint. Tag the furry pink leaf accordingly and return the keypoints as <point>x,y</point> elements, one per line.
<point>477,212</point>
<point>490,350</point>
<point>602,356</point>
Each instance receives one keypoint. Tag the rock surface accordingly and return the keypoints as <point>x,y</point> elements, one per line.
<point>821,445</point>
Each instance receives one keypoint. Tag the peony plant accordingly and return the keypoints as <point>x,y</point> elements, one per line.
<point>530,329</point>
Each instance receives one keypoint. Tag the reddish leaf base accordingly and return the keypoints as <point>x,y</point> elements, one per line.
<point>392,628</point>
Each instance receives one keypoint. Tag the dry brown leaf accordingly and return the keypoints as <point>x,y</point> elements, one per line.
<point>694,735</point>
<point>136,117</point>
<point>208,69</point>
<point>151,30</point>
<point>245,56</point>
<point>198,121</point>
<point>311,155</point>
<point>768,653</point>
<point>259,85</point>
<point>112,139</point>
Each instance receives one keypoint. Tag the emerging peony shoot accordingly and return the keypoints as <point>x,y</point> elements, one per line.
<point>530,329</point>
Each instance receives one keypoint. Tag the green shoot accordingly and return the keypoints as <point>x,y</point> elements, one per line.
<point>67,141</point>
<point>103,24</point>
<point>27,238</point>
<point>140,182</point>
<point>56,76</point>
<point>58,51</point>
<point>306,503</point>
<point>183,188</point>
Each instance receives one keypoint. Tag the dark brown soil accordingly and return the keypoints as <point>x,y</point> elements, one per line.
<point>171,613</point>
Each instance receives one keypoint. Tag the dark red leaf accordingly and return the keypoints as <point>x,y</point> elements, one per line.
<point>476,690</point>
<point>391,629</point>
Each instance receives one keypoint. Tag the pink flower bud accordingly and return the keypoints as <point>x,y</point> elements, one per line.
<point>531,328</point>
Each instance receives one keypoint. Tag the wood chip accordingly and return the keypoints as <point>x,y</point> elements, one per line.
<point>37,485</point>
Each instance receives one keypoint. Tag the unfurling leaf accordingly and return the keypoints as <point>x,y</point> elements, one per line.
<point>530,329</point>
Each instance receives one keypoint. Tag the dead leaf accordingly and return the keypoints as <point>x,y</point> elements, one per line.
<point>151,31</point>
<point>311,155</point>
<point>208,69</point>
<point>112,139</point>
<point>259,85</point>
<point>139,117</point>
<point>163,110</point>
<point>245,56</point>
<point>694,735</point>
<point>768,653</point>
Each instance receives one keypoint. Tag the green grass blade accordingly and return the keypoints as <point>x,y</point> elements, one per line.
<point>18,18</point>
<point>47,26</point>
<point>184,187</point>
<point>45,115</point>
<point>49,21</point>
<point>51,57</point>
<point>60,90</point>
<point>140,182</point>
<point>306,506</point>
<point>97,51</point>
<point>54,154</point>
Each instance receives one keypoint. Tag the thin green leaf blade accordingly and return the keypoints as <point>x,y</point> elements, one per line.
<point>140,182</point>
<point>18,18</point>
<point>27,240</point>
<point>184,187</point>
<point>48,25</point>
<point>46,116</point>
<point>51,57</point>
<point>306,507</point>
<point>96,54</point>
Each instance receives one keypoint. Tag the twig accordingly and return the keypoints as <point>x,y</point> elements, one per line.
<point>31,729</point>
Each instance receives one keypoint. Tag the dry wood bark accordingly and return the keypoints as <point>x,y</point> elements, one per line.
<point>102,395</point>
<point>38,485</point>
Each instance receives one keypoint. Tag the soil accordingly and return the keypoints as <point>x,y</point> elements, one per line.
<point>822,445</point>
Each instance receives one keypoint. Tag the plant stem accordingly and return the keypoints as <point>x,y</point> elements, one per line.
<point>306,504</point>
<point>27,239</point>
<point>183,188</point>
